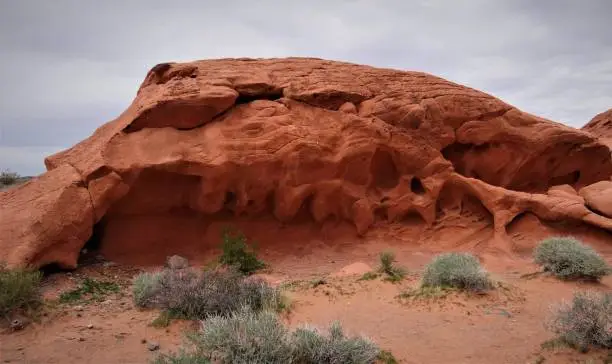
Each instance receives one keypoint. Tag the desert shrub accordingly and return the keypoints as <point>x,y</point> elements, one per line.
<point>568,258</point>
<point>457,270</point>
<point>368,276</point>
<point>195,295</point>
<point>237,253</point>
<point>244,337</point>
<point>248,337</point>
<point>19,289</point>
<point>144,288</point>
<point>162,320</point>
<point>585,321</point>
<point>312,347</point>
<point>388,267</point>
<point>427,292</point>
<point>386,357</point>
<point>8,178</point>
<point>89,289</point>
<point>177,262</point>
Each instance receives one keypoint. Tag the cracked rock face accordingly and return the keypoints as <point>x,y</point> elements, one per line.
<point>283,136</point>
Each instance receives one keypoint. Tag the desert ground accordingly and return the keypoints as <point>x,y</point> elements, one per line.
<point>321,278</point>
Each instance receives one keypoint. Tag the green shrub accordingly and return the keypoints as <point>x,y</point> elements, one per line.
<point>243,337</point>
<point>312,347</point>
<point>368,276</point>
<point>457,270</point>
<point>19,289</point>
<point>427,292</point>
<point>248,337</point>
<point>387,266</point>
<point>195,295</point>
<point>585,321</point>
<point>568,258</point>
<point>386,357</point>
<point>162,320</point>
<point>8,178</point>
<point>89,289</point>
<point>237,253</point>
<point>144,288</point>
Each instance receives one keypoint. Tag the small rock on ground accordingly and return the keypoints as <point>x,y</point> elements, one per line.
<point>177,262</point>
<point>152,346</point>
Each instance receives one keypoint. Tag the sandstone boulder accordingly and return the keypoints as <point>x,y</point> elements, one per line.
<point>567,192</point>
<point>294,137</point>
<point>46,220</point>
<point>598,197</point>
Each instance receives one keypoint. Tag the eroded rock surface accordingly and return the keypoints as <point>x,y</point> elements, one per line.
<point>601,126</point>
<point>598,197</point>
<point>298,136</point>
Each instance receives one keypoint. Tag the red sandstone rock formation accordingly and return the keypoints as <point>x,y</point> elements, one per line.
<point>293,136</point>
<point>601,126</point>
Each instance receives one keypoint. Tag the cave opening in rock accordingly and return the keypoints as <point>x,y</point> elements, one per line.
<point>413,218</point>
<point>383,169</point>
<point>95,241</point>
<point>381,213</point>
<point>91,250</point>
<point>50,269</point>
<point>511,226</point>
<point>457,203</point>
<point>567,179</point>
<point>230,201</point>
<point>272,95</point>
<point>416,186</point>
<point>304,213</point>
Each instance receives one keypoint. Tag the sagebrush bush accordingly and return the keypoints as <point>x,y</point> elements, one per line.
<point>388,267</point>
<point>197,294</point>
<point>457,270</point>
<point>248,337</point>
<point>585,321</point>
<point>312,347</point>
<point>144,288</point>
<point>19,289</point>
<point>568,258</point>
<point>237,253</point>
<point>244,337</point>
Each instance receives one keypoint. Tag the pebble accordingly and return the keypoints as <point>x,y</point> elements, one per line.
<point>90,326</point>
<point>81,339</point>
<point>16,324</point>
<point>143,341</point>
<point>152,346</point>
<point>78,308</point>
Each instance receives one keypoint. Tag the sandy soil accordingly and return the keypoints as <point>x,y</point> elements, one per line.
<point>505,326</point>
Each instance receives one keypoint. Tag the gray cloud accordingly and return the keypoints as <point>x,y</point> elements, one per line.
<point>67,66</point>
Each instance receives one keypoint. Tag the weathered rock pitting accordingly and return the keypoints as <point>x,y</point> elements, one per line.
<point>287,136</point>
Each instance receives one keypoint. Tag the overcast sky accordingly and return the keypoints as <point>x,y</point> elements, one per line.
<point>67,66</point>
